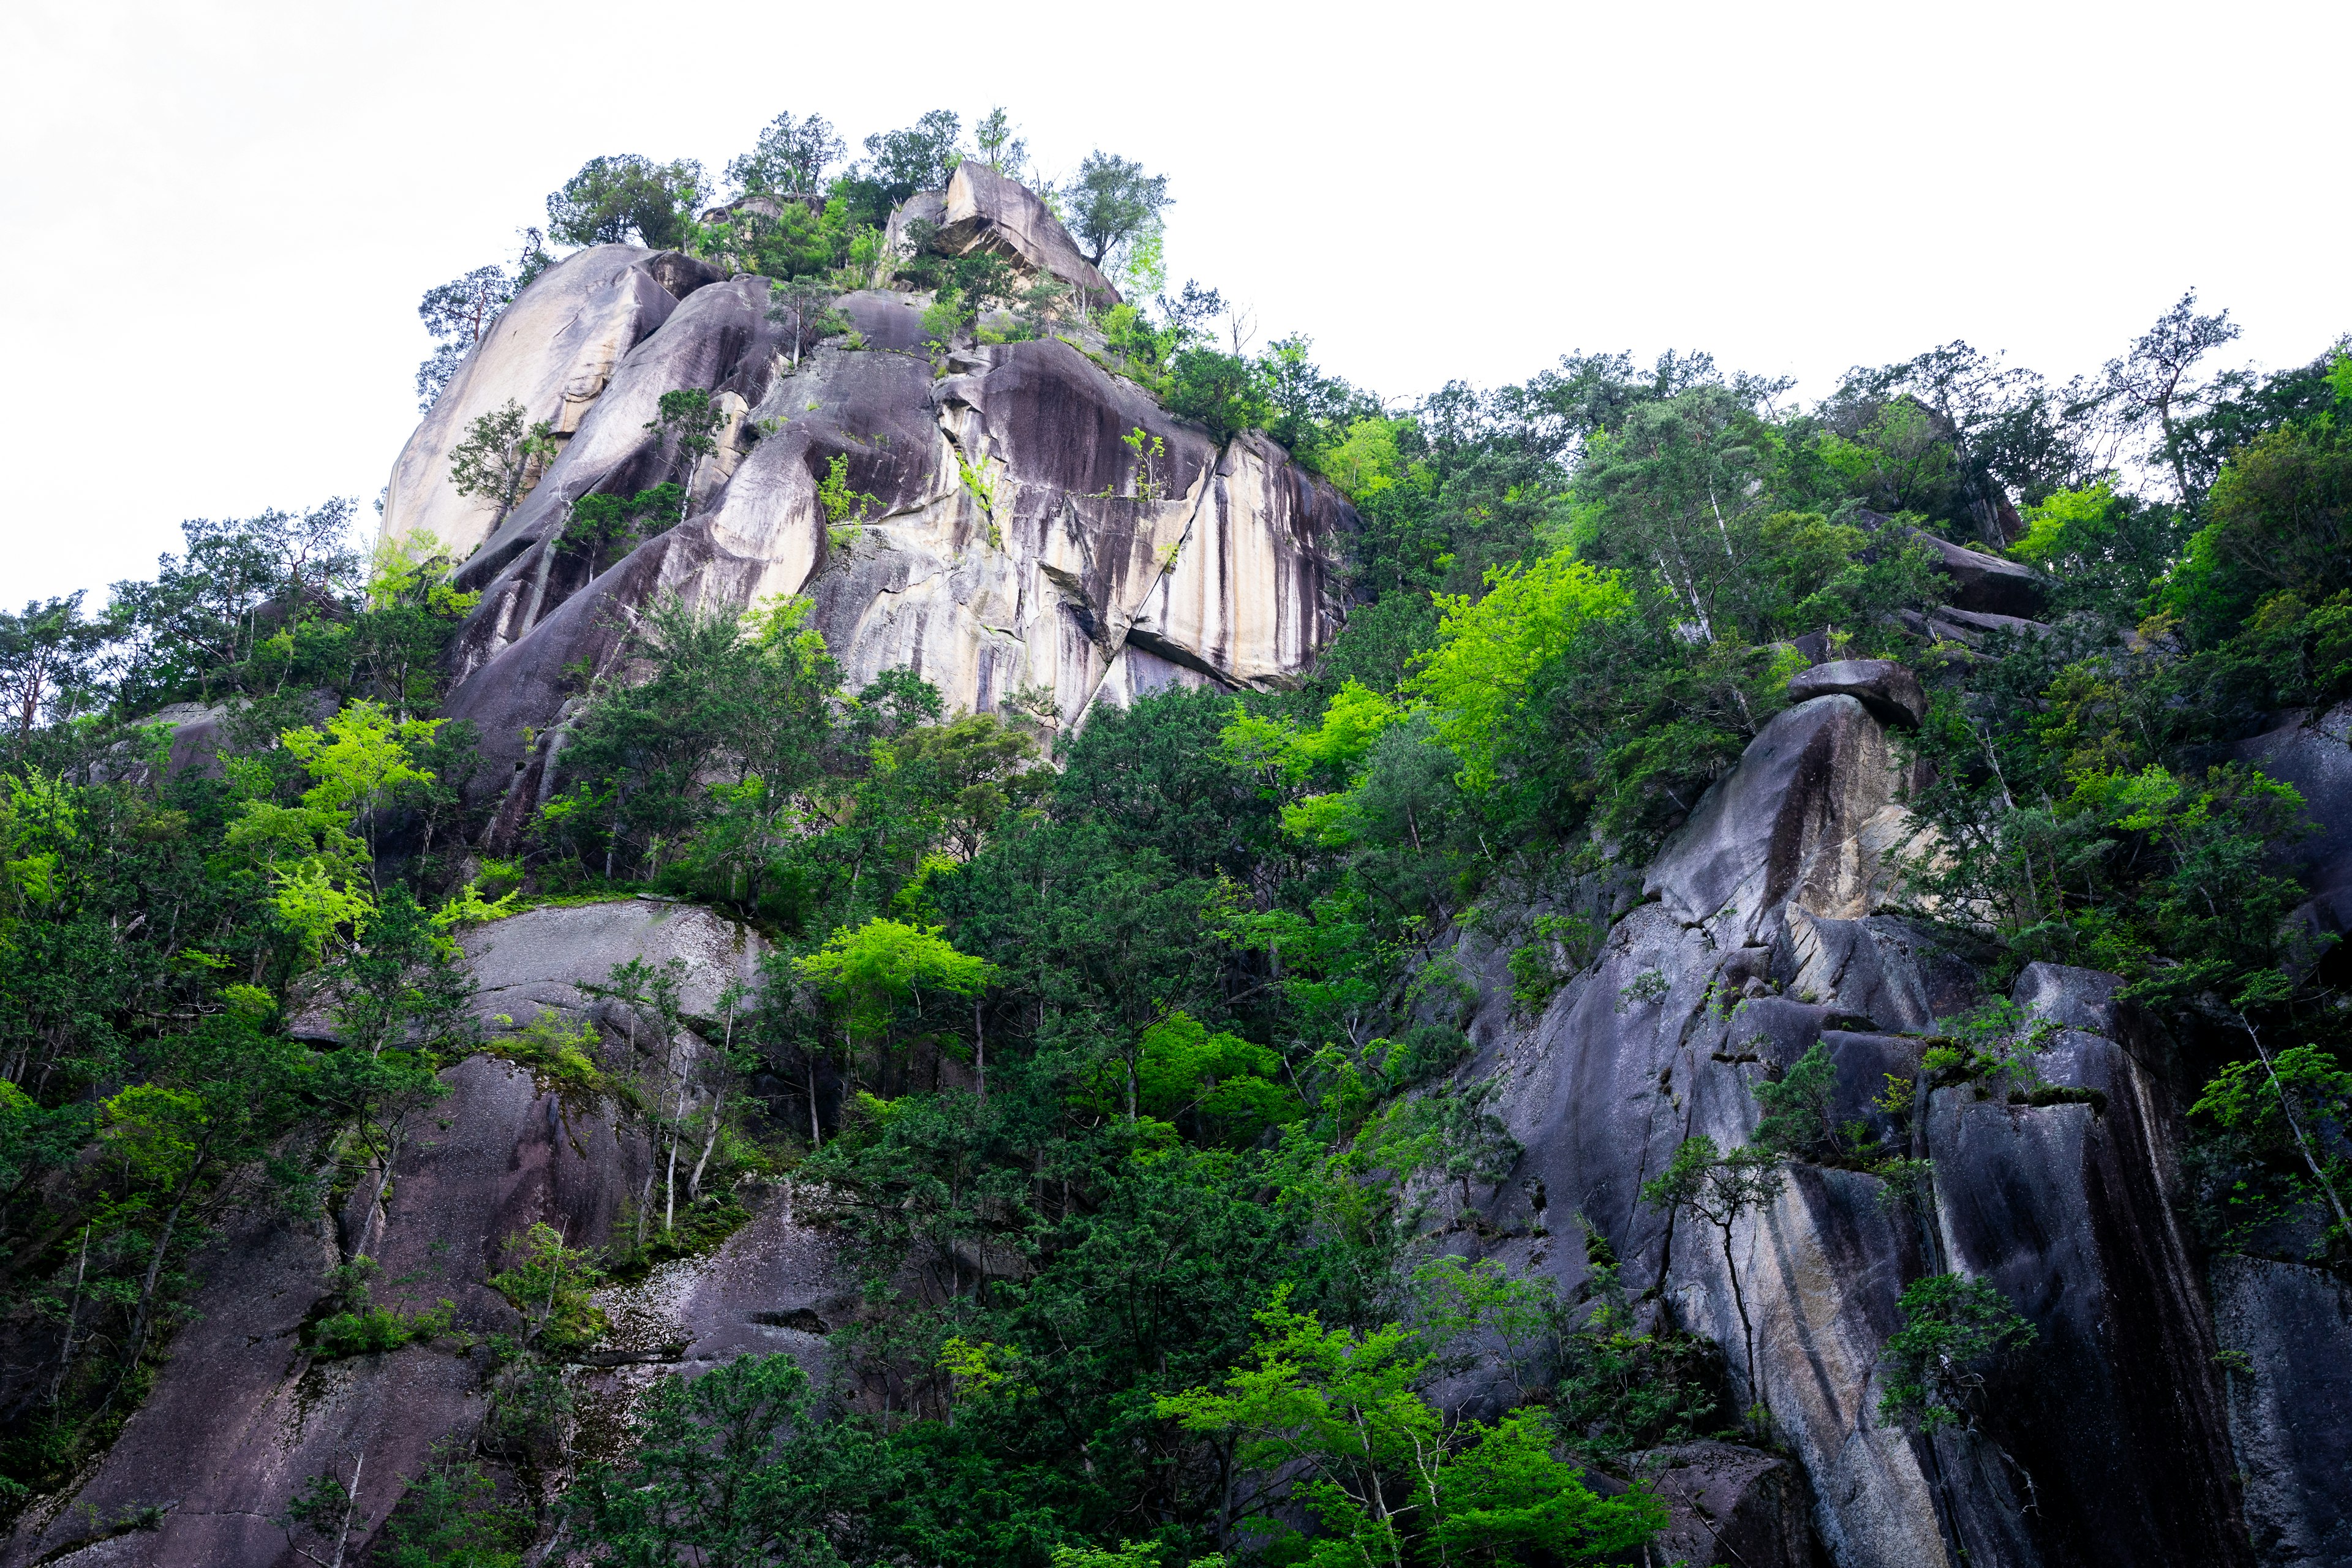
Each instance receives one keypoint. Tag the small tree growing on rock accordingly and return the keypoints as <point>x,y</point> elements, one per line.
<point>688,422</point>
<point>1954,1325</point>
<point>1718,1188</point>
<point>502,456</point>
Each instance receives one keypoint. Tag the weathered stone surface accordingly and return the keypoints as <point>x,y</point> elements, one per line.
<point>1014,538</point>
<point>2314,753</point>
<point>552,351</point>
<point>1792,824</point>
<point>2287,1329</point>
<point>1730,1505</point>
<point>984,210</point>
<point>542,957</point>
<point>1885,688</point>
<point>2104,1443</point>
<point>2117,1413</point>
<point>1881,968</point>
<point>243,1415</point>
<point>1985,583</point>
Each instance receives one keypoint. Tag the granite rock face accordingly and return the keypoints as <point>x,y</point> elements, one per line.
<point>245,1414</point>
<point>552,351</point>
<point>1890,692</point>
<point>1024,521</point>
<point>1768,931</point>
<point>1020,520</point>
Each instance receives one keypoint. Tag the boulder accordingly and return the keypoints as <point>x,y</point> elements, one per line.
<point>1885,688</point>
<point>1730,1504</point>
<point>1985,583</point>
<point>2106,1442</point>
<point>982,210</point>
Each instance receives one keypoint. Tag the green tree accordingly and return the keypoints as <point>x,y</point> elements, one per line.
<point>687,423</point>
<point>1386,1475</point>
<point>1113,203</point>
<point>1719,1188</point>
<point>1953,1325</point>
<point>614,199</point>
<point>790,158</point>
<point>736,1468</point>
<point>501,455</point>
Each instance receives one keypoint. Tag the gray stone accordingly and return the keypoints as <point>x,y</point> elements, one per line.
<point>1792,824</point>
<point>2115,1412</point>
<point>981,210</point>
<point>1885,688</point>
<point>1730,1504</point>
<point>1987,583</point>
<point>2314,753</point>
<point>1219,563</point>
<point>552,351</point>
<point>2288,1330</point>
<point>242,1416</point>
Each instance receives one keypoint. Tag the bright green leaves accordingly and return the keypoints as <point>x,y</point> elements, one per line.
<point>884,965</point>
<point>550,1284</point>
<point>1390,1478</point>
<point>364,755</point>
<point>2290,1119</point>
<point>1477,681</point>
<point>1180,1072</point>
<point>363,761</point>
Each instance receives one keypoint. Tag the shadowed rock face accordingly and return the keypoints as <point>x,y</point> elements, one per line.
<point>1020,518</point>
<point>243,1414</point>
<point>2107,1442</point>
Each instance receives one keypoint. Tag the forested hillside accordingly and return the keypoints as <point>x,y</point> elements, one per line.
<point>1138,1063</point>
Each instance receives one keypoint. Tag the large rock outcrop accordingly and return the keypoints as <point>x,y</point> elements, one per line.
<point>1012,517</point>
<point>243,1412</point>
<point>1765,931</point>
<point>553,351</point>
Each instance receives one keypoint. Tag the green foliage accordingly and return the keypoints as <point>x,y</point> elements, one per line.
<point>884,965</point>
<point>1383,1472</point>
<point>607,527</point>
<point>2290,1120</point>
<point>450,1517</point>
<point>1953,1326</point>
<point>359,1327</point>
<point>549,1283</point>
<point>790,157</point>
<point>501,455</point>
<point>625,198</point>
<point>735,1467</point>
<point>1112,204</point>
<point>1622,1390</point>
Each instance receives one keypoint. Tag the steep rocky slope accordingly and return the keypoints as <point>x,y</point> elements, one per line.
<point>1013,532</point>
<point>247,1411</point>
<point>2175,1406</point>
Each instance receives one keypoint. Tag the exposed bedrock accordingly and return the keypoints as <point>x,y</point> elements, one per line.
<point>2107,1441</point>
<point>1017,518</point>
<point>1008,530</point>
<point>243,1414</point>
<point>552,351</point>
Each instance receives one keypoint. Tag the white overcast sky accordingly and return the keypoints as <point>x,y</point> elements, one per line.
<point>219,216</point>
